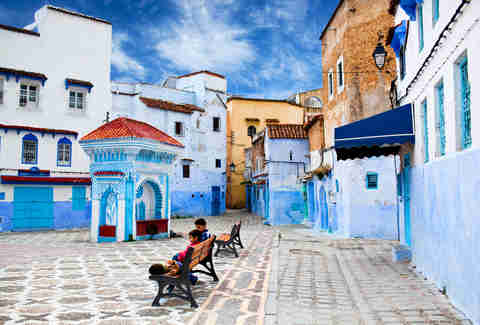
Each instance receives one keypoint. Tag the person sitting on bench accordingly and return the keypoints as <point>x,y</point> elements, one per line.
<point>201,225</point>
<point>194,237</point>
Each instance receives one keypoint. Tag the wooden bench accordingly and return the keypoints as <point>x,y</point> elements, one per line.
<point>199,254</point>
<point>229,241</point>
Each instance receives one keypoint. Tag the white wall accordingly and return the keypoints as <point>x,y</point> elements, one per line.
<point>462,40</point>
<point>68,47</point>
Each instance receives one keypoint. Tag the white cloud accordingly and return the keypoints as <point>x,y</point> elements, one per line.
<point>205,39</point>
<point>121,60</point>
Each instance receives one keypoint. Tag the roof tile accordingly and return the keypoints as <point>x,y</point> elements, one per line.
<point>123,127</point>
<point>286,131</point>
<point>169,106</point>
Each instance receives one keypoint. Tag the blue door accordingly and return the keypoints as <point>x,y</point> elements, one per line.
<point>406,198</point>
<point>323,208</point>
<point>247,190</point>
<point>215,200</point>
<point>267,202</point>
<point>32,208</point>
<point>311,202</point>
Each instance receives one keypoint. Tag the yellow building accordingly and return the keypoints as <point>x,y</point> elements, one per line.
<point>245,116</point>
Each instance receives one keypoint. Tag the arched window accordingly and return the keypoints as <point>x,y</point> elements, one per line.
<point>29,149</point>
<point>313,102</point>
<point>251,131</point>
<point>291,155</point>
<point>64,152</point>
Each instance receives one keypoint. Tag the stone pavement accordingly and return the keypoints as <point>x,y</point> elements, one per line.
<point>61,278</point>
<point>317,279</point>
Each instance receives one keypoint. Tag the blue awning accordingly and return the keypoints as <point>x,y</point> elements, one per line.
<point>399,37</point>
<point>410,8</point>
<point>390,128</point>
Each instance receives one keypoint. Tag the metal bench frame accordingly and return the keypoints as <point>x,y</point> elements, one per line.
<point>234,240</point>
<point>182,280</point>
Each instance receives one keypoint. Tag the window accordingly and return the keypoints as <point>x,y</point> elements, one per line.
<point>337,185</point>
<point>372,181</point>
<point>198,123</point>
<point>340,76</point>
<point>420,27</point>
<point>29,149</point>
<point>440,120</point>
<point>251,131</point>
<point>330,83</point>
<point>402,62</point>
<point>28,95</point>
<point>179,128</point>
<point>79,197</point>
<point>218,163</point>
<point>436,10</point>
<point>216,124</point>
<point>64,152</point>
<point>186,171</point>
<point>76,99</point>
<point>425,129</point>
<point>1,90</point>
<point>290,154</point>
<point>465,114</point>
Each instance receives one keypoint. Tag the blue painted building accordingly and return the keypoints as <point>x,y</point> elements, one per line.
<point>439,184</point>
<point>192,109</point>
<point>131,169</point>
<point>279,159</point>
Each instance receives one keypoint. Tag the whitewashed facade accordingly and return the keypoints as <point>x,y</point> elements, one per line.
<point>54,77</point>
<point>439,182</point>
<point>202,131</point>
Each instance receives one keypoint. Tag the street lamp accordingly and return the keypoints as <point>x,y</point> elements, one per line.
<point>380,55</point>
<point>232,167</point>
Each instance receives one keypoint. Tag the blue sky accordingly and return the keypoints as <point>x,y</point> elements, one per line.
<point>265,48</point>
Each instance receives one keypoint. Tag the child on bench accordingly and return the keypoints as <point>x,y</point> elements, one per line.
<point>201,225</point>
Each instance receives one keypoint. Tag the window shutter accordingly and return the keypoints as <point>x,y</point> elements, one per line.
<point>372,181</point>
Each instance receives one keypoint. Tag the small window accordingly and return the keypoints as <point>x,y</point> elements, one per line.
<point>179,128</point>
<point>330,83</point>
<point>216,124</point>
<point>198,123</point>
<point>372,181</point>
<point>402,62</point>
<point>1,90</point>
<point>29,149</point>
<point>252,131</point>
<point>2,195</point>
<point>465,106</point>
<point>440,120</point>
<point>436,11</point>
<point>28,95</point>
<point>340,77</point>
<point>290,154</point>
<point>425,129</point>
<point>218,163</point>
<point>64,152</point>
<point>76,100</point>
<point>79,197</point>
<point>186,171</point>
<point>337,185</point>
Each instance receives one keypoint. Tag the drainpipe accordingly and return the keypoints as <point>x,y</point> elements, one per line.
<point>398,202</point>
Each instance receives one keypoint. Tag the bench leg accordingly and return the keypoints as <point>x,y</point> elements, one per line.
<point>160,294</point>
<point>218,248</point>
<point>239,241</point>
<point>193,303</point>
<point>232,248</point>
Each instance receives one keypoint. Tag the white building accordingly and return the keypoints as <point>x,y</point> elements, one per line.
<point>437,47</point>
<point>192,109</point>
<point>54,86</point>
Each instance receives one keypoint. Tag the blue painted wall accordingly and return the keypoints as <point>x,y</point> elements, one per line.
<point>445,217</point>
<point>67,218</point>
<point>186,203</point>
<point>6,214</point>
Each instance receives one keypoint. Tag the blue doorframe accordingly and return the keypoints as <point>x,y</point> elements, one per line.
<point>215,200</point>
<point>129,202</point>
<point>311,202</point>
<point>267,201</point>
<point>323,208</point>
<point>406,198</point>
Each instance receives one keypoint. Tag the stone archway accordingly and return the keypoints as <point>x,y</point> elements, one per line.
<point>148,201</point>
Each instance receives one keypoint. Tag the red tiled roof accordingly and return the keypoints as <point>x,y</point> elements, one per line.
<point>23,73</point>
<point>41,130</point>
<point>8,179</point>
<point>108,173</point>
<point>286,131</point>
<point>123,127</point>
<point>122,93</point>
<point>202,71</point>
<point>18,30</point>
<point>169,106</point>
<point>80,82</point>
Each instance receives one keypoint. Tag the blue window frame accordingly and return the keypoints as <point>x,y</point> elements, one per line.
<point>79,197</point>
<point>2,195</point>
<point>425,129</point>
<point>64,152</point>
<point>402,62</point>
<point>441,140</point>
<point>337,185</point>
<point>29,149</point>
<point>421,39</point>
<point>372,181</point>
<point>465,102</point>
<point>435,10</point>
